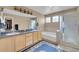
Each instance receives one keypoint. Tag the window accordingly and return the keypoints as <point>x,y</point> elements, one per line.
<point>52,19</point>
<point>48,19</point>
<point>55,19</point>
<point>33,24</point>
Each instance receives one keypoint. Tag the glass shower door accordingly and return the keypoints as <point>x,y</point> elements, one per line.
<point>71,34</point>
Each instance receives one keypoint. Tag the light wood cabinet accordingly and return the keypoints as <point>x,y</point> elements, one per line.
<point>39,36</point>
<point>3,46</point>
<point>19,42</point>
<point>7,44</point>
<point>35,37</point>
<point>11,44</point>
<point>29,39</point>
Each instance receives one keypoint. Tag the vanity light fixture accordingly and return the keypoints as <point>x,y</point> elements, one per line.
<point>23,10</point>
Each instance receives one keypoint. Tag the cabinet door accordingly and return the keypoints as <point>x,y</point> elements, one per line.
<point>39,36</point>
<point>7,44</point>
<point>19,42</point>
<point>3,46</point>
<point>35,37</point>
<point>10,44</point>
<point>29,40</point>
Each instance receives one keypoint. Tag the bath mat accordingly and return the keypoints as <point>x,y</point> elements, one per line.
<point>43,47</point>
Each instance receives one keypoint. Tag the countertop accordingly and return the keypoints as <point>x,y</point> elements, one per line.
<point>16,33</point>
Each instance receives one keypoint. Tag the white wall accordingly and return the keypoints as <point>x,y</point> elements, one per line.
<point>51,27</point>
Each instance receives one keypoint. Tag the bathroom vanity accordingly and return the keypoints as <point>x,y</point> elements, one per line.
<point>16,42</point>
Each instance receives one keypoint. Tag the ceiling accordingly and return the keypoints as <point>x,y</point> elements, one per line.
<point>49,9</point>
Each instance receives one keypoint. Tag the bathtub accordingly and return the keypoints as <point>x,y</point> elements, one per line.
<point>49,36</point>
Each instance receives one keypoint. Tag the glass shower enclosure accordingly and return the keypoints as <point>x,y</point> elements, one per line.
<point>70,31</point>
